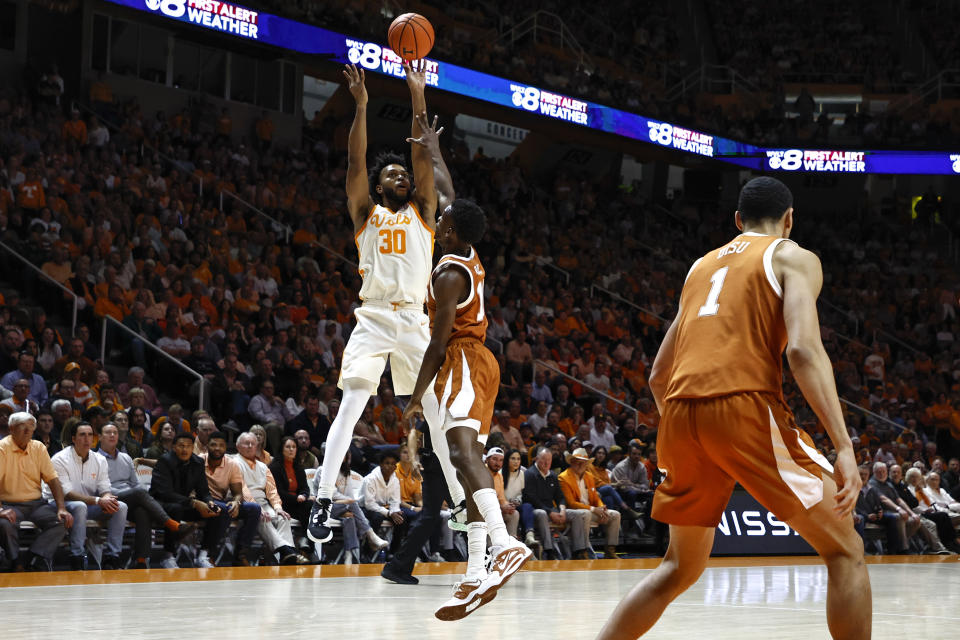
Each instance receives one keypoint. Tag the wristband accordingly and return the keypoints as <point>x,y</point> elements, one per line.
<point>96,500</point>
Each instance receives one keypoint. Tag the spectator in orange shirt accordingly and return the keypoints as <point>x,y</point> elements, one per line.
<point>264,131</point>
<point>390,427</point>
<point>511,433</point>
<point>520,356</point>
<point>113,305</point>
<point>74,129</point>
<point>30,193</point>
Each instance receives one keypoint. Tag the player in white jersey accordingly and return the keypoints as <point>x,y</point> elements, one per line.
<point>394,225</point>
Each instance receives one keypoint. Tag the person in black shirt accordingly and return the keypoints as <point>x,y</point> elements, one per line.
<point>435,491</point>
<point>541,490</point>
<point>179,484</point>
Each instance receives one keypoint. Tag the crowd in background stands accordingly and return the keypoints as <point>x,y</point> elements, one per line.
<point>635,66</point>
<point>264,318</point>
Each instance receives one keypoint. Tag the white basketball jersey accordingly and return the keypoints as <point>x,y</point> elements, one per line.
<point>396,255</point>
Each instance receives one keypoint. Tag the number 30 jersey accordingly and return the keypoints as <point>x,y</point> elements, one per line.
<point>730,332</point>
<point>396,251</point>
<point>471,319</point>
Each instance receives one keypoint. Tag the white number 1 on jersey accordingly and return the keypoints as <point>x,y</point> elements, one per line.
<point>480,313</point>
<point>711,307</point>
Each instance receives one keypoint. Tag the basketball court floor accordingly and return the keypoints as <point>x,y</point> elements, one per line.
<point>781,598</point>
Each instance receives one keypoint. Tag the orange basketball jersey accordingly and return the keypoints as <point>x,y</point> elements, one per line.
<point>730,335</point>
<point>471,319</point>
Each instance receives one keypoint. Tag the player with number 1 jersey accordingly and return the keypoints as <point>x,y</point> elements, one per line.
<point>717,381</point>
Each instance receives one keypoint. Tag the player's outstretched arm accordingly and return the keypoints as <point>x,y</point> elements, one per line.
<point>425,194</point>
<point>430,138</point>
<point>449,286</point>
<point>802,277</point>
<point>359,201</point>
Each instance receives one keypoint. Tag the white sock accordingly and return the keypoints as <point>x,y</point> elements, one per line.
<point>489,507</point>
<point>338,440</point>
<point>476,549</point>
<point>431,413</point>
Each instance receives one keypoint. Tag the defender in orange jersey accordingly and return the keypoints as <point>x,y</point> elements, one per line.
<point>465,378</point>
<point>717,382</point>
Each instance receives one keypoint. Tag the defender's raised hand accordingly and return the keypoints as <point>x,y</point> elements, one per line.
<point>429,134</point>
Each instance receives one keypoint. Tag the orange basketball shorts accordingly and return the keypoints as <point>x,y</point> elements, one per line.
<point>467,386</point>
<point>705,446</point>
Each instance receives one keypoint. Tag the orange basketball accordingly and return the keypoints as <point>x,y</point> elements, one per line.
<point>410,36</point>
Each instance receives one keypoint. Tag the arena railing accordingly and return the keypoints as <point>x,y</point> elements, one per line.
<point>107,320</point>
<point>543,365</point>
<point>881,332</point>
<point>897,427</point>
<point>541,262</point>
<point>49,280</point>
<point>617,297</point>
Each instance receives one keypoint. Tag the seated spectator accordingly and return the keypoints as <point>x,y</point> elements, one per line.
<point>142,509</point>
<point>601,480</point>
<point>629,477</point>
<point>925,507</point>
<point>107,399</point>
<point>380,498</point>
<point>179,484</point>
<point>48,351</point>
<point>147,331</point>
<point>137,397</point>
<point>602,432</point>
<point>139,428</point>
<point>205,428</point>
<point>231,392</point>
<point>583,501</point>
<point>390,428</point>
<point>126,444</point>
<point>275,523</point>
<point>45,434</point>
<point>270,412</point>
<point>203,364</point>
<point>86,484</point>
<point>869,510</point>
<point>135,380</point>
<point>365,433</point>
<point>75,354</point>
<point>541,390</point>
<point>82,394</point>
<point>305,455</point>
<point>261,434</point>
<point>21,496</point>
<point>310,420</point>
<point>174,416</point>
<point>37,391</point>
<point>511,515</point>
<point>928,530</point>
<point>386,401</point>
<point>229,493</point>
<point>893,504</point>
<point>541,490</point>
<point>950,478</point>
<point>347,496</point>
<point>163,442</point>
<point>511,434</point>
<point>938,496</point>
<point>291,479</point>
<point>20,401</point>
<point>538,419</point>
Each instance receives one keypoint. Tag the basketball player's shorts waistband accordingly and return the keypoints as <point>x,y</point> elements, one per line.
<point>394,306</point>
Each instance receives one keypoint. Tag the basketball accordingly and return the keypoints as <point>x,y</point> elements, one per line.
<point>410,36</point>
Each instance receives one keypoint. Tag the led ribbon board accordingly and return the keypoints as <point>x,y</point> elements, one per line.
<point>245,24</point>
